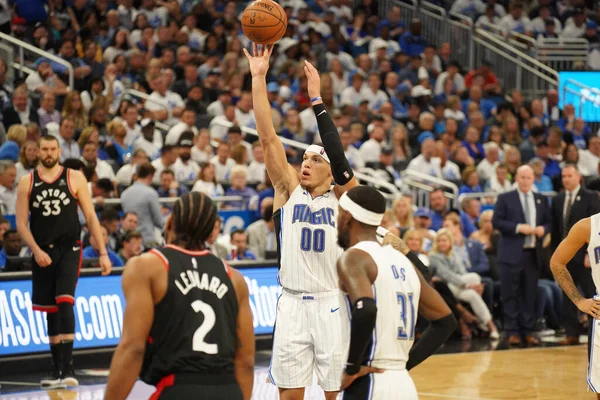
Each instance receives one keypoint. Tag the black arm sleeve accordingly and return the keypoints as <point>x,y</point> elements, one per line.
<point>364,315</point>
<point>340,167</point>
<point>434,336</point>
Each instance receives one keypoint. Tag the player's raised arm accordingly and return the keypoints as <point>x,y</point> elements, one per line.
<point>340,167</point>
<point>282,175</point>
<point>245,350</point>
<point>357,272</point>
<point>139,314</point>
<point>578,236</point>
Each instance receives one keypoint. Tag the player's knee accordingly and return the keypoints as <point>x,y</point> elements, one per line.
<point>67,318</point>
<point>53,324</point>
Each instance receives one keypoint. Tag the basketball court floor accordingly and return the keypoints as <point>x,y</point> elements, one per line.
<point>466,371</point>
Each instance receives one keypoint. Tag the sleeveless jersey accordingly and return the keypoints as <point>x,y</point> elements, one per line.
<point>594,249</point>
<point>396,290</point>
<point>195,325</point>
<point>53,209</point>
<point>306,231</point>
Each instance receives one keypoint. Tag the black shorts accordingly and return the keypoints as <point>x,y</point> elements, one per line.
<point>56,283</point>
<point>197,388</point>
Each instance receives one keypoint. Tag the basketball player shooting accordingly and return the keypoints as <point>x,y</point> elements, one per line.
<point>311,330</point>
<point>47,221</point>
<point>584,232</point>
<point>188,325</point>
<point>384,289</point>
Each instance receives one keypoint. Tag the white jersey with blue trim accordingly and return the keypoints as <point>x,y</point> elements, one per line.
<point>594,249</point>
<point>397,290</point>
<point>308,242</point>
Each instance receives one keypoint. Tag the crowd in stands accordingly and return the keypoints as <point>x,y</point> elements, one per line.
<point>399,102</point>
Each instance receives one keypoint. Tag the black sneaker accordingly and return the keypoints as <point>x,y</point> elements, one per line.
<point>68,377</point>
<point>54,381</point>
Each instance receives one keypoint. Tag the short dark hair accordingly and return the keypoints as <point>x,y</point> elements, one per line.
<point>167,172</point>
<point>234,129</point>
<point>109,214</point>
<point>166,148</point>
<point>9,232</point>
<point>368,198</point>
<point>127,213</point>
<point>74,163</point>
<point>49,138</point>
<point>145,170</point>
<point>88,143</point>
<point>131,234</point>
<point>105,184</point>
<point>237,232</point>
<point>89,171</point>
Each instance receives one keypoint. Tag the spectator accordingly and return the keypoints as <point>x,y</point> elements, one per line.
<point>465,286</point>
<point>8,192</point>
<point>542,182</point>
<point>488,237</point>
<point>28,159</point>
<point>516,21</point>
<point>73,109</point>
<point>451,74</point>
<point>426,162</point>
<point>403,214</point>
<point>169,186</point>
<point>238,188</point>
<point>89,156</point>
<point>371,149</point>
<point>16,137</point>
<point>207,182</point>
<point>577,27</point>
<point>488,18</point>
<point>148,141</point>
<point>45,81</point>
<point>164,105</point>
<point>471,181</point>
<point>20,112</point>
<point>413,43</point>
<point>168,156</point>
<point>487,167</point>
<point>222,162</point>
<point>218,131</point>
<point>499,182</point>
<point>538,24</point>
<point>257,169</point>
<point>92,251</point>
<point>527,146</point>
<point>471,208</point>
<point>11,246</point>
<point>186,170</point>
<point>142,199</point>
<point>126,172</point>
<point>473,145</point>
<point>384,168</point>
<point>490,84</point>
<point>235,137</point>
<point>414,72</point>
<point>132,245</point>
<point>239,243</point>
<point>262,240</point>
<point>185,124</point>
<point>589,159</point>
<point>202,151</point>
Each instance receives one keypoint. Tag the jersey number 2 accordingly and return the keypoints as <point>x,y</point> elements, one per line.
<point>312,240</point>
<point>403,331</point>
<point>198,343</point>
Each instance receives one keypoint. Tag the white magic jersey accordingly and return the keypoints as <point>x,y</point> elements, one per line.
<point>594,249</point>
<point>396,290</point>
<point>308,242</point>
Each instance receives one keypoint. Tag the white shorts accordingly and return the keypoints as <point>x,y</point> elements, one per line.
<point>593,376</point>
<point>312,333</point>
<point>388,385</point>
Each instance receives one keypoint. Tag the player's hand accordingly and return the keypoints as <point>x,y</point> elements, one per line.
<point>42,258</point>
<point>590,306</point>
<point>259,62</point>
<point>314,80</point>
<point>105,264</point>
<point>539,231</point>
<point>364,370</point>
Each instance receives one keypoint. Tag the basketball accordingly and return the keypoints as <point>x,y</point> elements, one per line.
<point>264,22</point>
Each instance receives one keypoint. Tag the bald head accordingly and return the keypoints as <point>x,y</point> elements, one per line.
<point>524,178</point>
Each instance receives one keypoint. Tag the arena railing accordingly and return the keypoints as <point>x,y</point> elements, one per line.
<point>22,46</point>
<point>171,200</point>
<point>423,184</point>
<point>563,54</point>
<point>394,192</point>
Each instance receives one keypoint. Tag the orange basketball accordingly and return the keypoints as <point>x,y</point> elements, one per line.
<point>264,22</point>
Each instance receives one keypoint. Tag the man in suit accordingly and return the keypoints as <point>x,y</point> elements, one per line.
<point>20,112</point>
<point>262,240</point>
<point>523,218</point>
<point>573,204</point>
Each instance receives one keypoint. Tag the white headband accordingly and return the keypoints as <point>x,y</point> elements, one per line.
<point>359,213</point>
<point>313,148</point>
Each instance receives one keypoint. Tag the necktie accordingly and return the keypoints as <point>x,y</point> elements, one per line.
<point>529,239</point>
<point>567,214</point>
